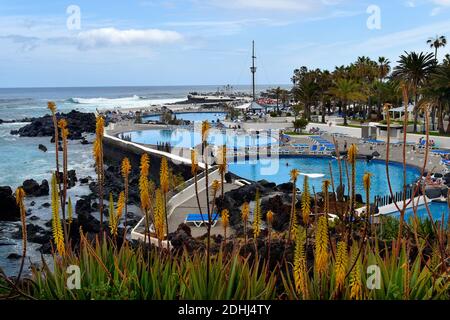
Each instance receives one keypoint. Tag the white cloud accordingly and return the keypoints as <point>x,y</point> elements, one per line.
<point>218,23</point>
<point>444,3</point>
<point>279,5</point>
<point>336,14</point>
<point>108,37</point>
<point>404,38</point>
<point>435,11</point>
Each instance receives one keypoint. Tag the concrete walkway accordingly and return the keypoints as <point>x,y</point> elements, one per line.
<point>190,206</point>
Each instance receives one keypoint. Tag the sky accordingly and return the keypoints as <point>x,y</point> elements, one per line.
<point>54,43</point>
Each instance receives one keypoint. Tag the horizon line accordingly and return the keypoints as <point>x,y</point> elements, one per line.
<point>145,86</point>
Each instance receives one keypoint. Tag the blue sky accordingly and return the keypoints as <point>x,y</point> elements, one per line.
<point>190,42</point>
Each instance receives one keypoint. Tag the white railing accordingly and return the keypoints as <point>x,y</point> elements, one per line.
<point>175,158</point>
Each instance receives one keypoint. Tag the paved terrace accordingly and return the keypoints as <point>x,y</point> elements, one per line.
<point>179,213</point>
<point>190,206</point>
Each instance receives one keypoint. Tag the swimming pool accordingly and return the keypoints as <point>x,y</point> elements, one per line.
<point>186,138</point>
<point>277,170</point>
<point>436,209</point>
<point>192,116</point>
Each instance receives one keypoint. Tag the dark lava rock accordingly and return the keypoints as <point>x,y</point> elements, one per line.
<point>77,122</point>
<point>33,189</point>
<point>432,192</point>
<point>42,148</point>
<point>285,187</point>
<point>14,256</point>
<point>34,218</point>
<point>267,184</point>
<point>35,234</point>
<point>444,191</point>
<point>46,205</point>
<point>88,222</point>
<point>83,206</point>
<point>32,203</point>
<point>84,180</point>
<point>281,207</point>
<point>182,238</point>
<point>44,188</point>
<point>9,211</point>
<point>84,141</point>
<point>72,177</point>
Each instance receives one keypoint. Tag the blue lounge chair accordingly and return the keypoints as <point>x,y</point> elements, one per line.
<point>321,150</point>
<point>313,148</point>
<point>198,219</point>
<point>440,152</point>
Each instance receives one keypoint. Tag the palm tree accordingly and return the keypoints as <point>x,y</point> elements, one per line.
<point>384,68</point>
<point>277,92</point>
<point>436,43</point>
<point>365,71</point>
<point>414,69</point>
<point>346,90</point>
<point>438,91</point>
<point>324,82</point>
<point>306,92</point>
<point>387,92</point>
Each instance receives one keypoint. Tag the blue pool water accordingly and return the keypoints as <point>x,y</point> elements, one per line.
<point>277,171</point>
<point>193,116</point>
<point>436,209</point>
<point>184,138</point>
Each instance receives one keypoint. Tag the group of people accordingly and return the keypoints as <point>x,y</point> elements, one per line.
<point>422,141</point>
<point>314,130</point>
<point>432,181</point>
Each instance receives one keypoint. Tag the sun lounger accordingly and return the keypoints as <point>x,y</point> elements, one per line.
<point>440,152</point>
<point>321,150</point>
<point>198,219</point>
<point>300,145</point>
<point>313,148</point>
<point>374,141</point>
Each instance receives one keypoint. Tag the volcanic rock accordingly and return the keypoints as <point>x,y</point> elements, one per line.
<point>33,189</point>
<point>9,209</point>
<point>42,148</point>
<point>14,256</point>
<point>77,123</point>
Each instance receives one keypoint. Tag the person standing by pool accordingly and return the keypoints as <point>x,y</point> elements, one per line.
<point>420,141</point>
<point>345,145</point>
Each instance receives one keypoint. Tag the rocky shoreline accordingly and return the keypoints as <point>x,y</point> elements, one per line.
<point>78,124</point>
